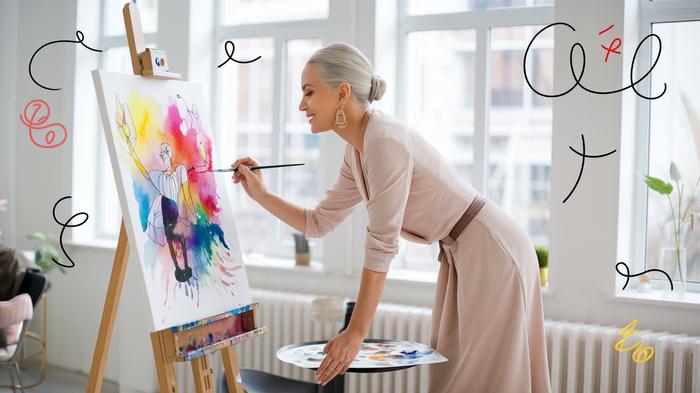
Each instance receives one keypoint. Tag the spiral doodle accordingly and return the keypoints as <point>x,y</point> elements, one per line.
<point>65,225</point>
<point>627,275</point>
<point>78,34</point>
<point>35,122</point>
<point>577,78</point>
<point>230,55</point>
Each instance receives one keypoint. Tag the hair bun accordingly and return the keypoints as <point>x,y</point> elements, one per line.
<point>376,92</point>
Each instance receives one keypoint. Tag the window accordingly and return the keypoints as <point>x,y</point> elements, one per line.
<point>258,116</point>
<point>93,176</point>
<point>520,128</point>
<point>422,7</point>
<point>465,91</point>
<point>674,134</point>
<point>238,12</point>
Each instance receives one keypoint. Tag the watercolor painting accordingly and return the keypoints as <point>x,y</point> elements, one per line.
<point>175,208</point>
<point>380,354</point>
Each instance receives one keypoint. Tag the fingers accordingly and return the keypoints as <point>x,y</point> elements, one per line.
<point>248,161</point>
<point>242,173</point>
<point>332,367</point>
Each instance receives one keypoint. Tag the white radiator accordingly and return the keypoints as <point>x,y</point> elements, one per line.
<point>582,358</point>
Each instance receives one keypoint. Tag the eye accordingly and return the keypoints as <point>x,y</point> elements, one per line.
<point>308,94</point>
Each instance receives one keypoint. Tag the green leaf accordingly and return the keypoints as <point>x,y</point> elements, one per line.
<point>658,185</point>
<point>37,236</point>
<point>542,256</point>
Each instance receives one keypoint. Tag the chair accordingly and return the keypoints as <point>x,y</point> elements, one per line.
<point>255,381</point>
<point>15,315</point>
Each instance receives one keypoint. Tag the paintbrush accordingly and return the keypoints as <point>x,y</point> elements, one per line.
<point>252,168</point>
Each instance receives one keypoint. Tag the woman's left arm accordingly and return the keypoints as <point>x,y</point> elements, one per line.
<point>343,348</point>
<point>389,171</point>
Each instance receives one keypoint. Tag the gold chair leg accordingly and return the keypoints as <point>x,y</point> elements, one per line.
<point>19,379</point>
<point>12,378</point>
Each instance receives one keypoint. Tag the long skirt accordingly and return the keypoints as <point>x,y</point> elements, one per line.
<point>487,318</point>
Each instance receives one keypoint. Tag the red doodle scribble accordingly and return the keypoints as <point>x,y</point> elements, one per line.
<point>609,49</point>
<point>35,125</point>
<point>606,29</point>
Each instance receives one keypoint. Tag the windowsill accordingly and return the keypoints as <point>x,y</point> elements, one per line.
<point>655,297</point>
<point>546,292</point>
<point>420,276</point>
<point>286,264</point>
<point>94,244</point>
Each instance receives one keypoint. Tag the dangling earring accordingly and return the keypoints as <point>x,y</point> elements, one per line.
<point>340,119</point>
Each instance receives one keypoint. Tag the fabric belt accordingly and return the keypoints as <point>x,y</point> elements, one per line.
<point>474,207</point>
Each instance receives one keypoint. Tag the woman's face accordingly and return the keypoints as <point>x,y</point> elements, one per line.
<point>318,100</point>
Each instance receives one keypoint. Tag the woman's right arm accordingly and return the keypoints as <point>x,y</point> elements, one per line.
<point>288,212</point>
<point>331,211</point>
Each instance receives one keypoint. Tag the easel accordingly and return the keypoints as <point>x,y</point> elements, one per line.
<point>168,343</point>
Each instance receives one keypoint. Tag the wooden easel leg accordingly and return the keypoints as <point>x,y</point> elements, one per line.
<point>109,313</point>
<point>164,369</point>
<point>233,372</point>
<point>203,375</point>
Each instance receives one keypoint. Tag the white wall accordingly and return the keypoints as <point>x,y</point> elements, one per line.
<point>584,234</point>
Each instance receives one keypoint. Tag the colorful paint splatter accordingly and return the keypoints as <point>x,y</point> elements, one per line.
<point>176,191</point>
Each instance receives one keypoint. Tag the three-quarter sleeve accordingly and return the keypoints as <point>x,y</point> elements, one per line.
<point>389,166</point>
<point>336,205</point>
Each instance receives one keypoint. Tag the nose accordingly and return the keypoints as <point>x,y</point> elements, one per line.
<point>301,105</point>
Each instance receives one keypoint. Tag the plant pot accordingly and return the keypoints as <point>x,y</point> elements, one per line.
<point>673,262</point>
<point>302,258</point>
<point>544,276</point>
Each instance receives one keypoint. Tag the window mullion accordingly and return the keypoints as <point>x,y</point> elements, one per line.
<point>277,120</point>
<point>482,104</point>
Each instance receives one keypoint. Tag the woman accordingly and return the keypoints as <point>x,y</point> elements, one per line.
<point>488,317</point>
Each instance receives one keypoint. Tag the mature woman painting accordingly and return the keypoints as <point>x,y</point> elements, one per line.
<point>488,318</point>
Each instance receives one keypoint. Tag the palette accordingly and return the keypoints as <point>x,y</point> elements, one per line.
<point>375,355</point>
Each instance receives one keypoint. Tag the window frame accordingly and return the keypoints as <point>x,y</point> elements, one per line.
<point>280,33</point>
<point>659,11</point>
<point>481,21</point>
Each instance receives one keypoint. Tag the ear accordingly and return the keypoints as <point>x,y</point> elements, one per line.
<point>344,92</point>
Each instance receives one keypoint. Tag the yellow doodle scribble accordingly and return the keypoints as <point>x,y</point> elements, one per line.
<point>640,354</point>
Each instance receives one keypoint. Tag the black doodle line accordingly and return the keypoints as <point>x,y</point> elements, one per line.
<point>583,161</point>
<point>78,34</point>
<point>230,55</point>
<point>577,79</point>
<point>628,275</point>
<point>65,225</point>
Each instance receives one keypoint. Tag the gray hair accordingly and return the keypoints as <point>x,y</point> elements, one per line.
<point>340,63</point>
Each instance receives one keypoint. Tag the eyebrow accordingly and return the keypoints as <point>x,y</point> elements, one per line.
<point>308,84</point>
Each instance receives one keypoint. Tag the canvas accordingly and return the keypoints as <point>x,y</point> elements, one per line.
<point>175,209</point>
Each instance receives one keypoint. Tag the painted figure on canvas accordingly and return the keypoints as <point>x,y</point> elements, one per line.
<point>176,213</point>
<point>174,187</point>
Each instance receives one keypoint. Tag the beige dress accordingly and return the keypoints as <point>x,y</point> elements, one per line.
<point>487,318</point>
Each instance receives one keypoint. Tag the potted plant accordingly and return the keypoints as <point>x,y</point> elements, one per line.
<point>673,259</point>
<point>543,259</point>
<point>46,250</point>
<point>301,247</point>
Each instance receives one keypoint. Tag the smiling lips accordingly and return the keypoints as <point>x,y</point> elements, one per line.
<point>311,117</point>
